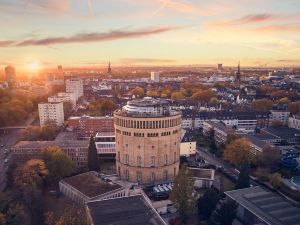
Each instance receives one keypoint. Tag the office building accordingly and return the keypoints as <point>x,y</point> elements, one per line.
<point>75,85</point>
<point>147,141</point>
<point>106,144</point>
<point>51,112</point>
<point>155,77</point>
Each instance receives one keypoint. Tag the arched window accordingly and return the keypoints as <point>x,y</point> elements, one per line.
<point>152,177</point>
<point>152,163</point>
<point>166,159</point>
<point>165,175</point>
<point>139,177</point>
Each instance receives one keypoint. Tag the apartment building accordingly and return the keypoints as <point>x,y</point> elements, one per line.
<point>51,112</point>
<point>75,85</point>
<point>64,97</point>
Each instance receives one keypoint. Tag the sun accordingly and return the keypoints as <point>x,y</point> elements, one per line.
<point>34,66</point>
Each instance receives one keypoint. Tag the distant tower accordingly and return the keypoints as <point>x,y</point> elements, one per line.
<point>109,71</point>
<point>220,66</point>
<point>10,75</point>
<point>238,75</point>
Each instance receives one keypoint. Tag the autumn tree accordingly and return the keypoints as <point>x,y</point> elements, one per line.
<point>58,163</point>
<point>93,162</point>
<point>153,93</point>
<point>177,95</point>
<point>70,216</point>
<point>283,101</point>
<point>138,92</point>
<point>261,105</point>
<point>294,107</point>
<point>182,192</point>
<point>238,153</point>
<point>31,174</point>
<point>203,95</point>
<point>276,180</point>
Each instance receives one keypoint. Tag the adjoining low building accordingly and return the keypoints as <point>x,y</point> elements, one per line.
<point>106,144</point>
<point>203,178</point>
<point>123,211</point>
<point>87,187</point>
<point>87,126</point>
<point>75,149</point>
<point>187,145</point>
<point>259,206</point>
<point>221,131</point>
<point>294,122</point>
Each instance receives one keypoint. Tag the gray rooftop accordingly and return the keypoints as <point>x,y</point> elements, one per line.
<point>132,210</point>
<point>266,205</point>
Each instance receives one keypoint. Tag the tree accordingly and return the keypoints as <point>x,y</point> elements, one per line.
<point>270,155</point>
<point>238,153</point>
<point>177,95</point>
<point>48,132</point>
<point>31,174</point>
<point>203,95</point>
<point>276,123</point>
<point>294,107</point>
<point>262,105</point>
<point>93,163</point>
<point>70,216</point>
<point>182,193</point>
<point>68,108</point>
<point>276,180</point>
<point>207,203</point>
<point>244,178</point>
<point>153,93</point>
<point>58,163</point>
<point>138,92</point>
<point>225,213</point>
<point>283,101</point>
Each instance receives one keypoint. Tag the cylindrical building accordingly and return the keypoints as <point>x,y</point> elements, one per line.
<point>147,141</point>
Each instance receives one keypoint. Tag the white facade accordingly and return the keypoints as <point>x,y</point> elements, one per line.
<point>294,122</point>
<point>188,148</point>
<point>155,76</point>
<point>64,97</point>
<point>105,143</point>
<point>75,85</point>
<point>51,111</point>
<point>279,115</point>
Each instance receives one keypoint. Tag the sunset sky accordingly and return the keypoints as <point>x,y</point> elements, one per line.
<point>149,32</point>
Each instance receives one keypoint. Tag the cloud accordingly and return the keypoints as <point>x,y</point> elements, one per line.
<point>144,61</point>
<point>248,19</point>
<point>278,28</point>
<point>6,43</point>
<point>88,37</point>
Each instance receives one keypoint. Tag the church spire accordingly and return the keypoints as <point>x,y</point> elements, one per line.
<point>238,74</point>
<point>109,71</point>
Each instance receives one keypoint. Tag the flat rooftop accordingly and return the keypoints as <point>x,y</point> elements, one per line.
<point>132,210</point>
<point>201,173</point>
<point>90,185</point>
<point>268,206</point>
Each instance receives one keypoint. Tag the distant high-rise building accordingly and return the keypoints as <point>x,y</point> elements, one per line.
<point>155,77</point>
<point>51,112</point>
<point>60,69</point>
<point>109,72</point>
<point>10,75</point>
<point>220,66</point>
<point>75,85</point>
<point>238,74</point>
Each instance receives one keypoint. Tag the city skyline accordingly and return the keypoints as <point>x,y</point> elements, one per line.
<point>160,32</point>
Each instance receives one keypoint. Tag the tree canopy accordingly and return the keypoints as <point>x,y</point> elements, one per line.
<point>58,163</point>
<point>238,153</point>
<point>207,203</point>
<point>182,192</point>
<point>261,105</point>
<point>93,162</point>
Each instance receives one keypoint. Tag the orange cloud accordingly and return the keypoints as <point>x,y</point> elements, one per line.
<point>278,28</point>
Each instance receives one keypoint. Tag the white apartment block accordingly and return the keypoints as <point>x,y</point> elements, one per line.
<point>279,115</point>
<point>51,111</point>
<point>64,97</point>
<point>75,85</point>
<point>155,77</point>
<point>294,122</point>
